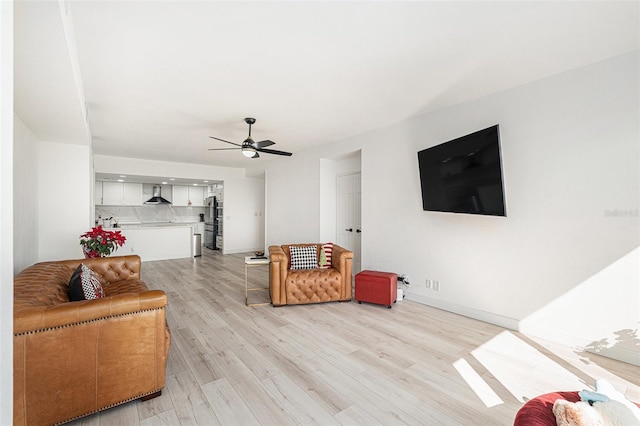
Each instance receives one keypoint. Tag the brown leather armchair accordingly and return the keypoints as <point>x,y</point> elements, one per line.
<point>72,359</point>
<point>301,286</point>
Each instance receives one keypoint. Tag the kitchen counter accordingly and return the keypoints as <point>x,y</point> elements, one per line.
<point>157,241</point>
<point>129,225</point>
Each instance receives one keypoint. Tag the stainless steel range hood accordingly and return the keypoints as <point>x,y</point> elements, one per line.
<point>157,197</point>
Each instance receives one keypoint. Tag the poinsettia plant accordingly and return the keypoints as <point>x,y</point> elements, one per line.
<point>101,243</point>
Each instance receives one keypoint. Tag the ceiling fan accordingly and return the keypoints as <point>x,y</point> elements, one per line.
<point>249,147</point>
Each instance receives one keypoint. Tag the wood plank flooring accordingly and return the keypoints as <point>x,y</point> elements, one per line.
<point>340,363</point>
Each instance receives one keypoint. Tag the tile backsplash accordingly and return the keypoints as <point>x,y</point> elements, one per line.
<point>155,213</point>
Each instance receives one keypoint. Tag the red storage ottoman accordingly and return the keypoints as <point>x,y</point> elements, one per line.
<point>377,287</point>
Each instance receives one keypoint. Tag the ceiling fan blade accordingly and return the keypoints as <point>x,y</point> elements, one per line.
<point>273,151</point>
<point>221,149</point>
<point>263,144</point>
<point>222,140</point>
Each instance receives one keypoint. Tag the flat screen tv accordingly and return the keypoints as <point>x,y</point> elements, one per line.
<point>464,175</point>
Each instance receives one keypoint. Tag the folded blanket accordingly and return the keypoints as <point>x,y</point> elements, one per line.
<point>592,397</point>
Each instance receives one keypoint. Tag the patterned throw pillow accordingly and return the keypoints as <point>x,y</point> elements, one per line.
<point>84,284</point>
<point>325,255</point>
<point>304,257</point>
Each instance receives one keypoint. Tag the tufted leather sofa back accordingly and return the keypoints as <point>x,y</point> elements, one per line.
<point>46,283</point>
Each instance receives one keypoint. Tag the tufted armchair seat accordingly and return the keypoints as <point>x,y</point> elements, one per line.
<point>302,286</point>
<point>71,359</point>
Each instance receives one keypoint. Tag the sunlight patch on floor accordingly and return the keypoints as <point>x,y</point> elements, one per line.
<point>523,370</point>
<point>594,369</point>
<point>477,383</point>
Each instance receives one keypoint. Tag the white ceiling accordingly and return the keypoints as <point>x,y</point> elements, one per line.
<point>160,77</point>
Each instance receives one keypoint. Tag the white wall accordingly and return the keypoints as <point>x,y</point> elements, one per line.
<point>243,196</point>
<point>293,200</point>
<point>613,333</point>
<point>243,226</point>
<point>6,212</point>
<point>328,200</point>
<point>570,152</point>
<point>26,239</point>
<point>65,200</point>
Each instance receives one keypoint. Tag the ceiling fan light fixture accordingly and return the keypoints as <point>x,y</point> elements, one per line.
<point>248,151</point>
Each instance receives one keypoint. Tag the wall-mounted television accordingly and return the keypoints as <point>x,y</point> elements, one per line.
<point>464,175</point>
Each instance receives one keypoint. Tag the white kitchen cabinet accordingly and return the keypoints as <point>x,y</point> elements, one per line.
<point>118,194</point>
<point>215,191</point>
<point>180,195</point>
<point>184,195</point>
<point>97,193</point>
<point>132,194</point>
<point>112,193</point>
<point>196,196</point>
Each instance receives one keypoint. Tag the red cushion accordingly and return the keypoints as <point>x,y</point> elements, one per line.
<point>539,410</point>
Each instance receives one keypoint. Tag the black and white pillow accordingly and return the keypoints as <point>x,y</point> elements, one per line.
<point>304,257</point>
<point>84,284</point>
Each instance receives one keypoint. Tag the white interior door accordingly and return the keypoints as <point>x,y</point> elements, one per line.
<point>349,212</point>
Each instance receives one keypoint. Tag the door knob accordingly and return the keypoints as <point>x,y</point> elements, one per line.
<point>349,229</point>
<point>358,231</point>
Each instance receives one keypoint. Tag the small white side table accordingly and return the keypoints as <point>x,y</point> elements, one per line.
<point>248,263</point>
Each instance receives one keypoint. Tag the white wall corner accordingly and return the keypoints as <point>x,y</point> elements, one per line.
<point>6,211</point>
<point>72,49</point>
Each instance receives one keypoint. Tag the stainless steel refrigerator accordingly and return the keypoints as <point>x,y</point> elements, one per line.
<point>213,224</point>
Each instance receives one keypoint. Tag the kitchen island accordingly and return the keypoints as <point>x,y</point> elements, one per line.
<point>157,241</point>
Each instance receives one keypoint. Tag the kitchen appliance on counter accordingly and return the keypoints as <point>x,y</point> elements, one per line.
<point>213,224</point>
<point>201,217</point>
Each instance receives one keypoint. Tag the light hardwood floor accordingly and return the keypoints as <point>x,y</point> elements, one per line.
<point>340,363</point>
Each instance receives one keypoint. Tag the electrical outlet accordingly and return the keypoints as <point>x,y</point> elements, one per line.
<point>436,285</point>
<point>428,283</point>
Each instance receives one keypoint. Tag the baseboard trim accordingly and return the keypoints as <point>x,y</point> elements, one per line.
<point>236,251</point>
<point>491,318</point>
<point>627,355</point>
<point>617,352</point>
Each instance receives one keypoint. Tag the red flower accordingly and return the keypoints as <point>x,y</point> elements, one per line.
<point>99,242</point>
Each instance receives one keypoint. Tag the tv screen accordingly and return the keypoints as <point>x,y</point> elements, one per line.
<point>464,175</point>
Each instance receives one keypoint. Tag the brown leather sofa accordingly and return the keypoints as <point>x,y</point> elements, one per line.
<point>294,287</point>
<point>72,359</point>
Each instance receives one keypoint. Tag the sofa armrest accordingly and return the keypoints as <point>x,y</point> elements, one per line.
<point>341,260</point>
<point>78,358</point>
<point>279,262</point>
<point>38,318</point>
